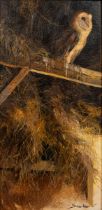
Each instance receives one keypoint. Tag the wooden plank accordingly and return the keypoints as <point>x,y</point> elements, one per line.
<point>58,69</point>
<point>90,184</point>
<point>43,166</point>
<point>39,166</point>
<point>75,74</point>
<point>13,84</point>
<point>71,73</point>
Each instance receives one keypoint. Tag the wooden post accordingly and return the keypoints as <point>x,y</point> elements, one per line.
<point>13,84</point>
<point>90,184</point>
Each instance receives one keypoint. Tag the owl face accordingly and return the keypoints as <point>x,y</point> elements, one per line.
<point>82,22</point>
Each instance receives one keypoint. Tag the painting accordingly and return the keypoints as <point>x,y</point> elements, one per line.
<point>50,105</point>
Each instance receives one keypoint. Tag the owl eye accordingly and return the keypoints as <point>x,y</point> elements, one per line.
<point>83,23</point>
<point>83,18</point>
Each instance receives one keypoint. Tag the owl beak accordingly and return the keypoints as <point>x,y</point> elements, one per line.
<point>84,24</point>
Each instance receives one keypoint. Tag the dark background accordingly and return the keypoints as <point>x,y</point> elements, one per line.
<point>45,21</point>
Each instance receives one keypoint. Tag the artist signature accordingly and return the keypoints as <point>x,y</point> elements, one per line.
<point>79,206</point>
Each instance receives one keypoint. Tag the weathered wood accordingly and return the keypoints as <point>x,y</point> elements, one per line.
<point>13,84</point>
<point>75,74</point>
<point>39,166</point>
<point>90,183</point>
<point>43,166</point>
<point>60,69</point>
<point>53,68</point>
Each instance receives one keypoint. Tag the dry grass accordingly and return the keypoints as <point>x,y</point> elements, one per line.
<point>18,50</point>
<point>46,119</point>
<point>28,6</point>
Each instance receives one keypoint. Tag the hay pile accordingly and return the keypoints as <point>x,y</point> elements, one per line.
<point>44,119</point>
<point>48,119</point>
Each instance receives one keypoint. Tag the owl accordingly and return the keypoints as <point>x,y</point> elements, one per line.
<point>74,39</point>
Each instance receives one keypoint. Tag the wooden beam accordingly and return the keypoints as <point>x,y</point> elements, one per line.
<point>54,68</point>
<point>90,183</point>
<point>58,69</point>
<point>75,74</point>
<point>43,166</point>
<point>39,166</point>
<point>13,84</point>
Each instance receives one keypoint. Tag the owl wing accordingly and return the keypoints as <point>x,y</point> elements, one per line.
<point>65,43</point>
<point>72,41</point>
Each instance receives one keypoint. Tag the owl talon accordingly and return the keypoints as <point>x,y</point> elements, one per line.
<point>46,61</point>
<point>66,66</point>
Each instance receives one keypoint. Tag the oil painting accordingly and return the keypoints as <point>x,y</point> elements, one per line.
<point>50,105</point>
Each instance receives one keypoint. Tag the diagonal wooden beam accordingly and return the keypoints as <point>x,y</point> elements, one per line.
<point>55,69</point>
<point>13,84</point>
<point>60,69</point>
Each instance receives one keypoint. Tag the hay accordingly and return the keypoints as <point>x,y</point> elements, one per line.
<point>38,124</point>
<point>47,119</point>
<point>17,49</point>
<point>44,118</point>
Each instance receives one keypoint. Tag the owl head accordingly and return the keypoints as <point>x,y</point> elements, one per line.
<point>82,22</point>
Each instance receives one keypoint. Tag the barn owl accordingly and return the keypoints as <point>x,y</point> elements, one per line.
<point>82,25</point>
<point>73,40</point>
